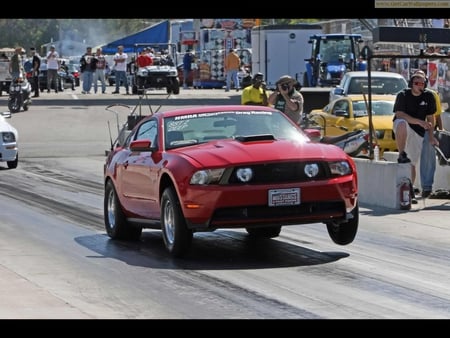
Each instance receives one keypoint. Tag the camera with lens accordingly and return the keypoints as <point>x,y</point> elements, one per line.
<point>285,86</point>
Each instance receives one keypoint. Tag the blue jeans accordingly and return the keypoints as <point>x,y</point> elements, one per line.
<point>427,164</point>
<point>87,80</point>
<point>99,74</point>
<point>121,75</point>
<point>232,75</point>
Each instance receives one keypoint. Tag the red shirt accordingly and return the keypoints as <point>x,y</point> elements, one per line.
<point>144,60</point>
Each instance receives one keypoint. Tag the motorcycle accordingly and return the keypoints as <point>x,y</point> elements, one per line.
<point>245,77</point>
<point>355,143</point>
<point>19,95</point>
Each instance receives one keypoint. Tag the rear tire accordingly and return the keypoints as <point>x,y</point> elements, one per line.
<point>116,224</point>
<point>14,104</point>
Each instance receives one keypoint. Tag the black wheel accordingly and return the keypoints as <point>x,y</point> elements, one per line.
<point>266,232</point>
<point>116,224</point>
<point>14,104</point>
<point>176,87</point>
<point>344,233</point>
<point>13,164</point>
<point>177,237</point>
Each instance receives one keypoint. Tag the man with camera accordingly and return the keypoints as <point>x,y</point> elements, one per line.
<point>287,98</point>
<point>256,93</point>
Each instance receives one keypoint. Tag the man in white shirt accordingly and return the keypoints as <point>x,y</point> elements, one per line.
<point>120,67</point>
<point>52,69</point>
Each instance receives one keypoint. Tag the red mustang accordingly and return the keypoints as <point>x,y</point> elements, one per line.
<point>209,167</point>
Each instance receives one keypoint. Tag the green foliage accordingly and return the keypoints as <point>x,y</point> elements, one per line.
<point>37,32</point>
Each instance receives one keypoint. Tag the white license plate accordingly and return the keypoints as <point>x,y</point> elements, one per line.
<point>279,197</point>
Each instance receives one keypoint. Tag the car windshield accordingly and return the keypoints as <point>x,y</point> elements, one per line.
<point>378,108</point>
<point>379,85</point>
<point>203,127</point>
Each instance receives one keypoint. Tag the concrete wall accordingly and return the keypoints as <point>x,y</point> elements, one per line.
<point>441,176</point>
<point>379,181</point>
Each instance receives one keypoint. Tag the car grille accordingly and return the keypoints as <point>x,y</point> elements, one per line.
<point>158,74</point>
<point>319,211</point>
<point>281,173</point>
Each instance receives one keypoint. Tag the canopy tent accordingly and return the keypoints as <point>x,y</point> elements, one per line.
<point>156,34</point>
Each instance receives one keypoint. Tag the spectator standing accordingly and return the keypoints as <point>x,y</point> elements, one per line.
<point>120,66</point>
<point>65,69</point>
<point>414,111</point>
<point>87,67</point>
<point>16,64</point>
<point>100,68</point>
<point>232,66</point>
<point>188,59</point>
<point>36,62</point>
<point>256,93</point>
<point>53,65</point>
<point>287,98</point>
<point>142,61</point>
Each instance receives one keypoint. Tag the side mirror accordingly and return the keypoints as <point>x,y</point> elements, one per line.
<point>341,113</point>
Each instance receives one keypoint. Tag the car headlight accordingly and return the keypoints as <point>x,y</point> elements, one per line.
<point>311,170</point>
<point>8,137</point>
<point>207,176</point>
<point>244,175</point>
<point>340,168</point>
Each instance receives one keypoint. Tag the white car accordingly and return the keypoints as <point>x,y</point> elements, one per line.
<point>9,151</point>
<point>355,83</point>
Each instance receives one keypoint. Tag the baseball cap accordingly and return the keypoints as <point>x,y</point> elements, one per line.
<point>420,74</point>
<point>258,75</point>
<point>286,79</point>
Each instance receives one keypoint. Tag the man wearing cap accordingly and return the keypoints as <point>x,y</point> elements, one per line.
<point>287,99</point>
<point>52,69</point>
<point>414,110</point>
<point>256,93</point>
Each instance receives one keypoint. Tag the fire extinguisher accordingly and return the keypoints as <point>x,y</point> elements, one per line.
<point>405,193</point>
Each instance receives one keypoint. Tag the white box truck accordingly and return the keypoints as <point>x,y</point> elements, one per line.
<point>279,50</point>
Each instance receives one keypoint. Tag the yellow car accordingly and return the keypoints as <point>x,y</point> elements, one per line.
<point>350,113</point>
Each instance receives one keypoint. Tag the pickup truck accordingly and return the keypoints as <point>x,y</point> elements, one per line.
<point>356,83</point>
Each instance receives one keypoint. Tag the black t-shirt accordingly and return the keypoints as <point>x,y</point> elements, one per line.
<point>416,106</point>
<point>36,61</point>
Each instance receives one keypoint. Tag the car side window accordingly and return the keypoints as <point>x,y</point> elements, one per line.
<point>147,130</point>
<point>340,105</point>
